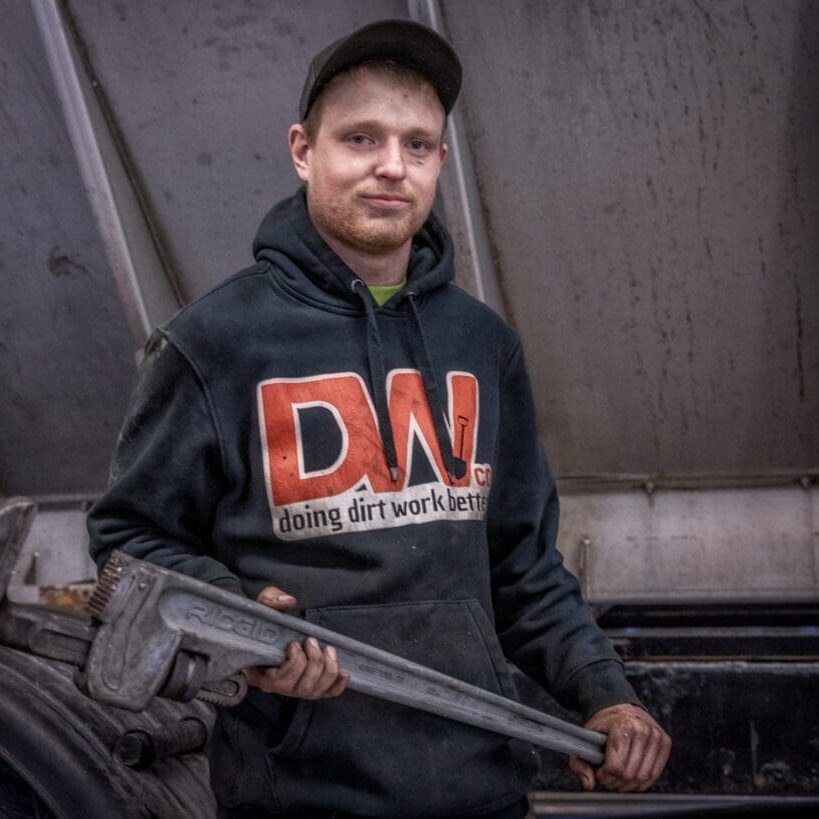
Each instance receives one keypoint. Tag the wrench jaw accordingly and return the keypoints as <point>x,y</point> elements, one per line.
<point>134,654</point>
<point>141,649</point>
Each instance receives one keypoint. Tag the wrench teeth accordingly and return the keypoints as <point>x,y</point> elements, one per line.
<point>107,583</point>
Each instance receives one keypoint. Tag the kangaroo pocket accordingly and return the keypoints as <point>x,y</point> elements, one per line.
<point>367,756</point>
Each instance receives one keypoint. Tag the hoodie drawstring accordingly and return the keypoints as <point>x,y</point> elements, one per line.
<point>455,466</point>
<point>378,376</point>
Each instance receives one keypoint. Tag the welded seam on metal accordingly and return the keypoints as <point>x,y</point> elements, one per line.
<point>653,482</point>
<point>462,168</point>
<point>95,175</point>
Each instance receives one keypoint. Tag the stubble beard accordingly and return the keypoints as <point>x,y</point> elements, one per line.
<point>350,224</point>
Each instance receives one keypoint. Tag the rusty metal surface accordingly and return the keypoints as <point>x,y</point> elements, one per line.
<point>65,360</point>
<point>651,179</point>
<point>72,596</point>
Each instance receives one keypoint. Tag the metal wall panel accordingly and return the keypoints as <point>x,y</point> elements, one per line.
<point>694,546</point>
<point>650,173</point>
<point>65,361</point>
<point>204,94</point>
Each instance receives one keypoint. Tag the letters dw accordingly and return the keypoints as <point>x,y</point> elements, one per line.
<point>355,492</point>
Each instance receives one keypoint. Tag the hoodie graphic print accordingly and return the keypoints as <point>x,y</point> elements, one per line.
<point>320,436</point>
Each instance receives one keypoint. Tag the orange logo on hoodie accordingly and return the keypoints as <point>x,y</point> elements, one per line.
<point>360,457</point>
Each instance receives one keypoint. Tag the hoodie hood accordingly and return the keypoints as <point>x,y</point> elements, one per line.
<point>287,234</point>
<point>288,238</point>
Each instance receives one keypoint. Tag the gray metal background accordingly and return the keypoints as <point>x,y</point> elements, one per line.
<point>649,185</point>
<point>65,362</point>
<point>650,171</point>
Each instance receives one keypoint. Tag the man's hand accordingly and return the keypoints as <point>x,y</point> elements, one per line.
<point>636,751</point>
<point>307,672</point>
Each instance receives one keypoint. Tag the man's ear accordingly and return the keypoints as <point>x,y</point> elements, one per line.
<point>444,151</point>
<point>299,151</point>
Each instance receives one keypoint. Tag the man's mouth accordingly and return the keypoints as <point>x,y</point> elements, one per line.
<point>387,201</point>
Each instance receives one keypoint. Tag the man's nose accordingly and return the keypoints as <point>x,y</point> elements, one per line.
<point>391,161</point>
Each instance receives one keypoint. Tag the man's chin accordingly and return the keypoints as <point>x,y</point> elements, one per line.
<point>381,237</point>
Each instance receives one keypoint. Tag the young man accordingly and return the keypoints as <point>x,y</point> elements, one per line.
<point>340,432</point>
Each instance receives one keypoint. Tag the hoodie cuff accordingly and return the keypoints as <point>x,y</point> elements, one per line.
<point>600,685</point>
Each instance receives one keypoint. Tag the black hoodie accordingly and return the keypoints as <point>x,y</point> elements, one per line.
<point>383,466</point>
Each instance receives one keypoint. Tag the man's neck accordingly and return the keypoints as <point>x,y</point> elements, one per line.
<point>382,268</point>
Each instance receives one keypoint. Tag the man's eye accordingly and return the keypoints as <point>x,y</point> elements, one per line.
<point>360,139</point>
<point>418,145</point>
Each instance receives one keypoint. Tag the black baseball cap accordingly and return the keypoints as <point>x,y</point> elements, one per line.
<point>404,41</point>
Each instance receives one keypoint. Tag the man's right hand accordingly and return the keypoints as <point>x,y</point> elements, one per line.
<point>307,672</point>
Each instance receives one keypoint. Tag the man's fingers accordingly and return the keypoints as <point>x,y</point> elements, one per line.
<point>278,679</point>
<point>339,686</point>
<point>648,756</point>
<point>288,674</point>
<point>637,748</point>
<point>660,760</point>
<point>254,676</point>
<point>612,774</point>
<point>584,772</point>
<point>307,673</point>
<point>306,686</point>
<point>641,756</point>
<point>273,597</point>
<point>330,676</point>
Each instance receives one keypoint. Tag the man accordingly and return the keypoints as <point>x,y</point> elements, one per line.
<point>340,432</point>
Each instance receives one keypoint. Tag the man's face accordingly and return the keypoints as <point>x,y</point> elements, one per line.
<point>373,164</point>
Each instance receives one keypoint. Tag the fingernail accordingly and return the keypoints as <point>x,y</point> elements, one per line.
<point>331,653</point>
<point>285,598</point>
<point>312,642</point>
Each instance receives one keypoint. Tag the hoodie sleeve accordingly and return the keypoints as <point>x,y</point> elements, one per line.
<point>542,622</point>
<point>167,473</point>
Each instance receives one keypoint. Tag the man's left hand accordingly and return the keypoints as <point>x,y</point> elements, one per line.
<point>637,750</point>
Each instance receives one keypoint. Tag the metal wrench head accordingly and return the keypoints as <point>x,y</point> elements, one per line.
<point>161,633</point>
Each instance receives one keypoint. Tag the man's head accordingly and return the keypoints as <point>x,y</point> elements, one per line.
<point>402,41</point>
<point>370,143</point>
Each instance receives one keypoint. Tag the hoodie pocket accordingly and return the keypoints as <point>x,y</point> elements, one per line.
<point>242,740</point>
<point>368,756</point>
